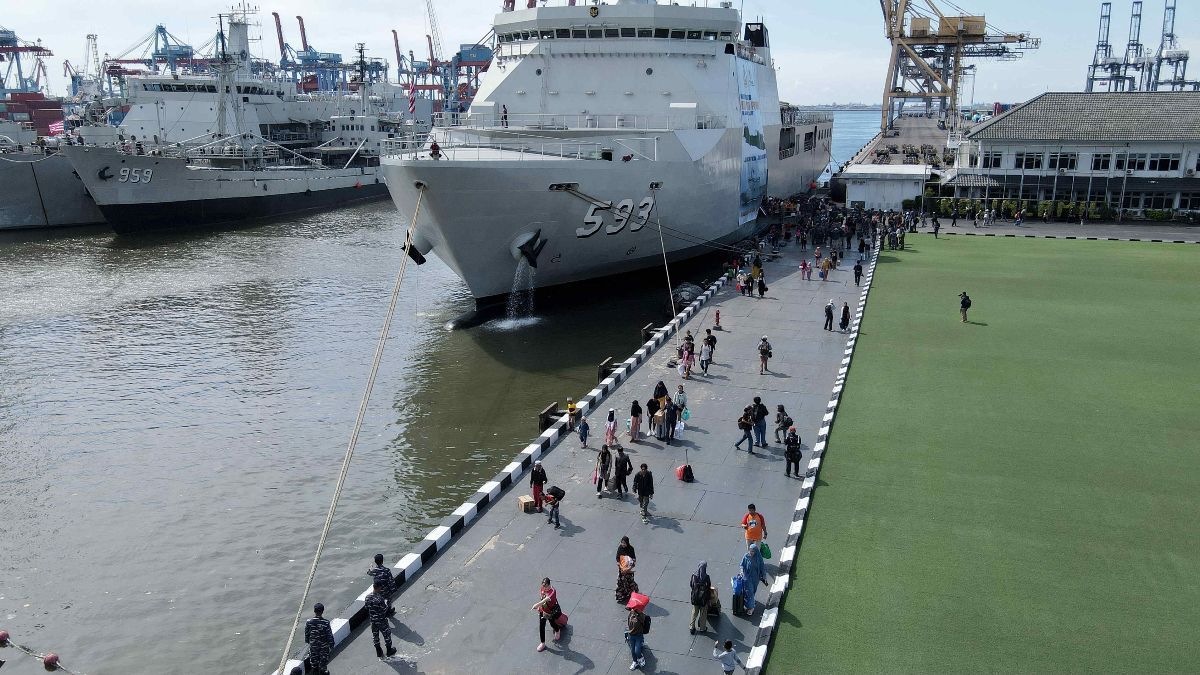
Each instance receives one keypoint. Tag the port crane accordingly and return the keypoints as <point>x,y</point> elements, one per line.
<point>22,64</point>
<point>926,60</point>
<point>1139,68</point>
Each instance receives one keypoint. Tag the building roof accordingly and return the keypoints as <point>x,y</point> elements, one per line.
<point>887,171</point>
<point>1099,117</point>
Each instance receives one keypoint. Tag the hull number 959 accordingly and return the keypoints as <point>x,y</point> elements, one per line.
<point>128,175</point>
<point>623,213</point>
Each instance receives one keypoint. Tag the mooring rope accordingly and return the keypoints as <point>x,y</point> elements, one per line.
<point>358,421</point>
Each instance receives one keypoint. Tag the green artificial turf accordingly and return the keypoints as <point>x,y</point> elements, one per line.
<point>1020,493</point>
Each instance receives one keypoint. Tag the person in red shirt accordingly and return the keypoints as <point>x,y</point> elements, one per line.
<point>755,526</point>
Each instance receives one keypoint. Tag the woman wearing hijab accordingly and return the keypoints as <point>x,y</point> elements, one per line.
<point>753,572</point>
<point>661,393</point>
<point>845,322</point>
<point>700,597</point>
<point>626,558</point>
<point>603,468</point>
<point>610,428</point>
<point>635,420</point>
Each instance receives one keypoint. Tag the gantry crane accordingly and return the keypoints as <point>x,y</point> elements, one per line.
<point>927,61</point>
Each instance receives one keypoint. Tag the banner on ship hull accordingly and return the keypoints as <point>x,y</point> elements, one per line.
<point>754,142</point>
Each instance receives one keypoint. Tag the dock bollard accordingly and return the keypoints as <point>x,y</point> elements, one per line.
<point>605,369</point>
<point>647,333</point>
<point>546,417</point>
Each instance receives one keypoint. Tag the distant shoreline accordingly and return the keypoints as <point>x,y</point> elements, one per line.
<point>839,108</point>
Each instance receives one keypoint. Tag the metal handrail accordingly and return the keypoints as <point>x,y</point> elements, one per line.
<point>570,121</point>
<point>476,148</point>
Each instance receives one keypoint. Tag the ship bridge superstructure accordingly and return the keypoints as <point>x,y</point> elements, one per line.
<point>634,64</point>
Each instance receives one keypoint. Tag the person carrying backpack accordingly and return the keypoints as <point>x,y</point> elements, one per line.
<point>764,353</point>
<point>791,452</point>
<point>701,590</point>
<point>637,625</point>
<point>782,421</point>
<point>746,424</point>
<point>964,303</point>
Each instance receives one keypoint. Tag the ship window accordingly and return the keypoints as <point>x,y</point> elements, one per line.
<point>595,33</point>
<point>578,33</point>
<point>239,88</point>
<point>693,35</point>
<point>710,35</point>
<point>628,32</point>
<point>562,32</point>
<point>538,71</point>
<point>677,34</point>
<point>809,143</point>
<point>524,35</point>
<point>645,32</point>
<point>611,33</point>
<point>726,36</point>
<point>547,35</point>
<point>662,33</point>
<point>212,88</point>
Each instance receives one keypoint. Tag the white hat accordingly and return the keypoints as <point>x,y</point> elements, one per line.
<point>764,337</point>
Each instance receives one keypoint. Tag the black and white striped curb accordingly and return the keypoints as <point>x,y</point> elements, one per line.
<point>444,534</point>
<point>1068,236</point>
<point>787,556</point>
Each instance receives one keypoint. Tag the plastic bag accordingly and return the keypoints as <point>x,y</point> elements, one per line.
<point>637,601</point>
<point>764,549</point>
<point>687,414</point>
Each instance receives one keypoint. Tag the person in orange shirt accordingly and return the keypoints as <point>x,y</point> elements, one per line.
<point>755,526</point>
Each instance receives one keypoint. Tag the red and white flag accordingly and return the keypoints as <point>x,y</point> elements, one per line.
<point>56,128</point>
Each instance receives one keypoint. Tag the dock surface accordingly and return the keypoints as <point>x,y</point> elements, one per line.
<point>468,610</point>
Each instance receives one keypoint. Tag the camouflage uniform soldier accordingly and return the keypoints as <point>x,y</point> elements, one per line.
<point>377,607</point>
<point>319,636</point>
<point>381,574</point>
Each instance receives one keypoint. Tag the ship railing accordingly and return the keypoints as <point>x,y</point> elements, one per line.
<point>481,149</point>
<point>568,122</point>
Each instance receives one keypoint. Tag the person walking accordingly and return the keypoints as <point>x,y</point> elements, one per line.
<point>572,413</point>
<point>755,526</point>
<point>844,324</point>
<point>711,340</point>
<point>381,574</point>
<point>936,227</point>
<point>670,419</point>
<point>746,424</point>
<point>584,428</point>
<point>319,636</point>
<point>964,303</point>
<point>764,354</point>
<point>762,285</point>
<point>537,482</point>
<point>603,470</point>
<point>727,657</point>
<point>503,116</point>
<point>552,504</point>
<point>701,586</point>
<point>791,452</point>
<point>621,469</point>
<point>782,422</point>
<point>754,572</point>
<point>760,422</point>
<point>954,218</point>
<point>635,421</point>
<point>610,427</point>
<point>829,315</point>
<point>862,248</point>
<point>626,562</point>
<point>377,611</point>
<point>857,272</point>
<point>805,270</point>
<point>548,611</point>
<point>652,418</point>
<point>635,636</point>
<point>661,393</point>
<point>643,487</point>
<point>689,360</point>
<point>705,357</point>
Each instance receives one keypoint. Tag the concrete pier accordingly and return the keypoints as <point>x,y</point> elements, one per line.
<point>467,590</point>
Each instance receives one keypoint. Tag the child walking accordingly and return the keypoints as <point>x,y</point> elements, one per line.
<point>584,428</point>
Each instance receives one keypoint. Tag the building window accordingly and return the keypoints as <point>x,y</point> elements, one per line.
<point>1127,162</point>
<point>1190,201</point>
<point>1028,160</point>
<point>1063,160</point>
<point>1101,162</point>
<point>1149,200</point>
<point>1162,161</point>
<point>991,160</point>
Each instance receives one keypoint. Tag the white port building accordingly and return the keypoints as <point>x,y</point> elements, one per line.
<point>883,186</point>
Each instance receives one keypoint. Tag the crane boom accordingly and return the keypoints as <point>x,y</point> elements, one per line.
<point>303,33</point>
<point>434,32</point>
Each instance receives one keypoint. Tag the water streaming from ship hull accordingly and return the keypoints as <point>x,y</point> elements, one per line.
<point>520,306</point>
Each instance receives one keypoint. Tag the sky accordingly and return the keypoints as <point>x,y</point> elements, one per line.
<point>825,51</point>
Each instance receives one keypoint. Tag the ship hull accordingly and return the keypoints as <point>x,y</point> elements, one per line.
<point>475,215</point>
<point>37,191</point>
<point>179,196</point>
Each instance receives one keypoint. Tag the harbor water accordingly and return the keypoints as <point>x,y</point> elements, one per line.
<point>174,411</point>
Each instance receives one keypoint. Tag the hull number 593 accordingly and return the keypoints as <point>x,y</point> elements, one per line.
<point>128,175</point>
<point>623,213</point>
